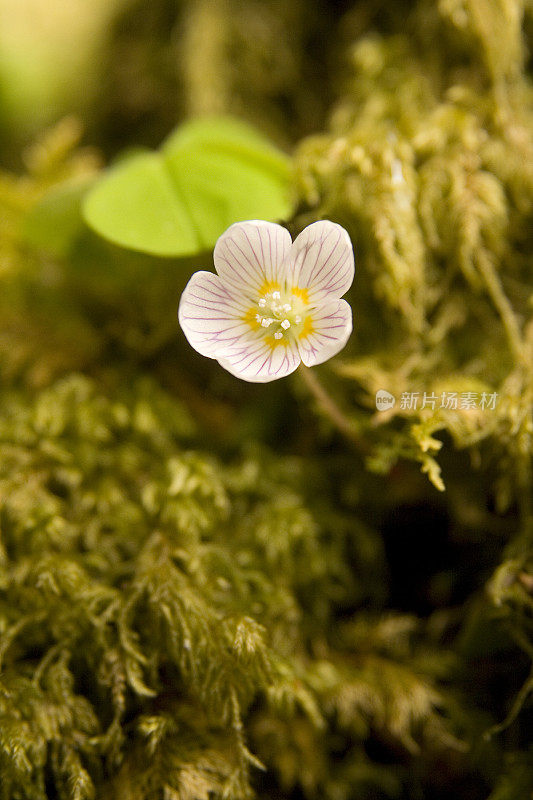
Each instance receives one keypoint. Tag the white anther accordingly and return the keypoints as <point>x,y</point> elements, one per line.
<point>276,296</point>
<point>262,303</point>
<point>287,307</point>
<point>258,318</point>
<point>285,324</point>
<point>297,320</point>
<point>266,321</point>
<point>278,335</point>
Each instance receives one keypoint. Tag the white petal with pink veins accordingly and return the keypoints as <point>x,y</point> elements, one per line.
<point>321,261</point>
<point>260,362</point>
<point>211,317</point>
<point>331,326</point>
<point>250,255</point>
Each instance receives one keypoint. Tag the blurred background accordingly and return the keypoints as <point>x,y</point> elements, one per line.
<point>130,70</point>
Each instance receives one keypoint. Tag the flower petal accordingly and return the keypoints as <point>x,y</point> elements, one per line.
<point>321,262</point>
<point>260,360</point>
<point>249,256</point>
<point>330,326</point>
<point>211,318</point>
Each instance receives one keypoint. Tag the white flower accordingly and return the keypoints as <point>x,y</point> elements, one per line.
<point>274,303</point>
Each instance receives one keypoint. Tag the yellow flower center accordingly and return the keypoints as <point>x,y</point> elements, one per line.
<point>281,312</point>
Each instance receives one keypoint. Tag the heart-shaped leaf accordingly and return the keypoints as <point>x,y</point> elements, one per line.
<point>207,175</point>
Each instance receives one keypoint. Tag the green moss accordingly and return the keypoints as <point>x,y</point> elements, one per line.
<point>428,165</point>
<point>151,593</point>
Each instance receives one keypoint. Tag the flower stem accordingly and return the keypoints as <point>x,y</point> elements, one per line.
<point>503,306</point>
<point>330,408</point>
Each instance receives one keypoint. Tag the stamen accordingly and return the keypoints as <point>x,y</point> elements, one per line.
<point>283,314</point>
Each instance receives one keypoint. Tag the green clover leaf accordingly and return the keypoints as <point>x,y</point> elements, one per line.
<point>208,174</point>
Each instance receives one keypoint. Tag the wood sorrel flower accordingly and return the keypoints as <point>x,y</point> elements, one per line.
<point>274,302</point>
